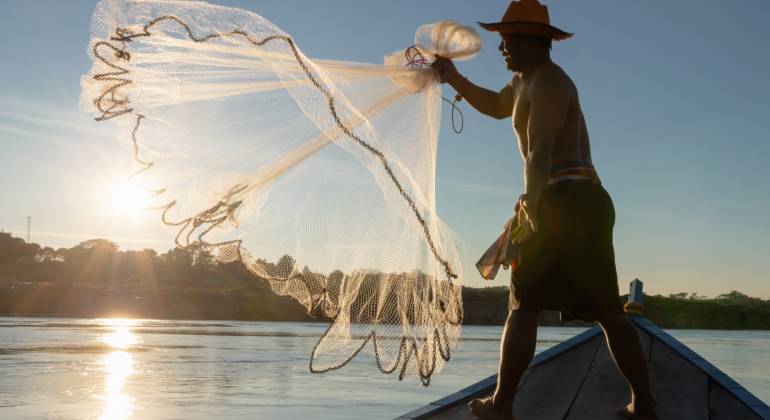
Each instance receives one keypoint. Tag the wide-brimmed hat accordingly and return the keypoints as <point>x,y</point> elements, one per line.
<point>527,17</point>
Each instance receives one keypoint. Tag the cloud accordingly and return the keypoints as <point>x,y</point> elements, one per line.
<point>49,122</point>
<point>21,132</point>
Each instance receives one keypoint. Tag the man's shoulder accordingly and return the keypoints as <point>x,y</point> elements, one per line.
<point>552,77</point>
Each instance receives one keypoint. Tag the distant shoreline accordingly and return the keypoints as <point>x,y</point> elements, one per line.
<point>489,306</point>
<point>482,307</point>
<point>95,279</point>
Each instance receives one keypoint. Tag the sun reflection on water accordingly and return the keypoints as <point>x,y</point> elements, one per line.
<point>119,365</point>
<point>122,338</point>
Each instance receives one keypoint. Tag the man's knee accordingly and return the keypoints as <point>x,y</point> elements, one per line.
<point>611,320</point>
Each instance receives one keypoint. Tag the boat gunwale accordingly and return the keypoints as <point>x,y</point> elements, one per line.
<point>715,375</point>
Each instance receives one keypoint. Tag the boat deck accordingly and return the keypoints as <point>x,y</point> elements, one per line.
<point>578,379</point>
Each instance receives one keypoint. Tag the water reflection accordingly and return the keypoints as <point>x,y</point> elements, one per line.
<point>119,365</point>
<point>122,338</point>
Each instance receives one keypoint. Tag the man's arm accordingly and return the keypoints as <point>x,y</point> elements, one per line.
<point>497,105</point>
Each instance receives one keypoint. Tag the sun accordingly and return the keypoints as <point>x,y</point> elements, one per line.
<point>127,198</point>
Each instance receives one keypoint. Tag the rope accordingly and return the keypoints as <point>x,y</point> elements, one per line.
<point>415,59</point>
<point>462,121</point>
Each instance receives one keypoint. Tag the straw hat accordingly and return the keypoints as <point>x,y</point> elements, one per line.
<point>527,17</point>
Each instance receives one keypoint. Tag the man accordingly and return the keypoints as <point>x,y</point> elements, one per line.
<point>566,217</point>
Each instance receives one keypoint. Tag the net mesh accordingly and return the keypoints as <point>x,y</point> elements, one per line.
<point>318,175</point>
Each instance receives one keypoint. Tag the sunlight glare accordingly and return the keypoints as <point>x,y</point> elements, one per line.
<point>122,338</point>
<point>118,322</point>
<point>127,198</point>
<point>119,365</point>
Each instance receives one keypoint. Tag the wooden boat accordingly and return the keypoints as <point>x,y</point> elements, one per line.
<point>578,379</point>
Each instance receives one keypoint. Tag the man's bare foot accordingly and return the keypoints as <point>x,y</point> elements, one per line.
<point>633,412</point>
<point>485,409</point>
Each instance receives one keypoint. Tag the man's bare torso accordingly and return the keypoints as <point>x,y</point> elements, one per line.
<point>572,142</point>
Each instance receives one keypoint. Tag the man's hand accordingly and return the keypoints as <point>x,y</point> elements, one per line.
<point>527,220</point>
<point>446,69</point>
<point>494,104</point>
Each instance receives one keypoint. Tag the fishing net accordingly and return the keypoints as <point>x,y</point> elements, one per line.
<point>318,175</point>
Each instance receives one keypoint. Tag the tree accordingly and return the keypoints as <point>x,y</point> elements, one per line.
<point>738,298</point>
<point>14,249</point>
<point>46,254</point>
<point>201,255</point>
<point>84,250</point>
<point>152,254</point>
<point>101,244</point>
<point>179,258</point>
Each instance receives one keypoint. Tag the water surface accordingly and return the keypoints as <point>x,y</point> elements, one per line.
<point>116,369</point>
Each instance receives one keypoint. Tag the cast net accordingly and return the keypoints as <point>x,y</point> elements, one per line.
<point>318,175</point>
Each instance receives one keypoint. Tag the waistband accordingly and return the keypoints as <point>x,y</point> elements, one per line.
<point>572,171</point>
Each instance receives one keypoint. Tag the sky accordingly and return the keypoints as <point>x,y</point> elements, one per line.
<point>675,99</point>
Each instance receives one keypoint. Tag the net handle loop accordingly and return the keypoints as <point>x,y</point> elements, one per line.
<point>416,59</point>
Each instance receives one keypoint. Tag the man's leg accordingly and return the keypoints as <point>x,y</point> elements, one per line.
<point>627,350</point>
<point>516,351</point>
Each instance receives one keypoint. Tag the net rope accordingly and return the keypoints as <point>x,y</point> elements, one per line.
<point>267,157</point>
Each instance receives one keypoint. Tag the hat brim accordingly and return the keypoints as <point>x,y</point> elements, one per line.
<point>523,27</point>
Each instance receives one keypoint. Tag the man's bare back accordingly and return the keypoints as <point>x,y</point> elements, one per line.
<point>557,92</point>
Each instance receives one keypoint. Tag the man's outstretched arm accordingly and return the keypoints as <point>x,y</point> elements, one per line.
<point>497,105</point>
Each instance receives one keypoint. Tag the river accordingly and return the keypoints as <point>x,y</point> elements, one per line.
<point>53,368</point>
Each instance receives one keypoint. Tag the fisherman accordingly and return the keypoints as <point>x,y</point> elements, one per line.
<point>565,217</point>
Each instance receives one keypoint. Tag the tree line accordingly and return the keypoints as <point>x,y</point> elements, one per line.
<point>733,298</point>
<point>101,262</point>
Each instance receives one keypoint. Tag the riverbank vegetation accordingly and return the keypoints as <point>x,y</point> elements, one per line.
<point>97,279</point>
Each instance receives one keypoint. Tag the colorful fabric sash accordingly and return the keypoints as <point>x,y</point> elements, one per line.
<point>564,173</point>
<point>506,254</point>
<point>502,252</point>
